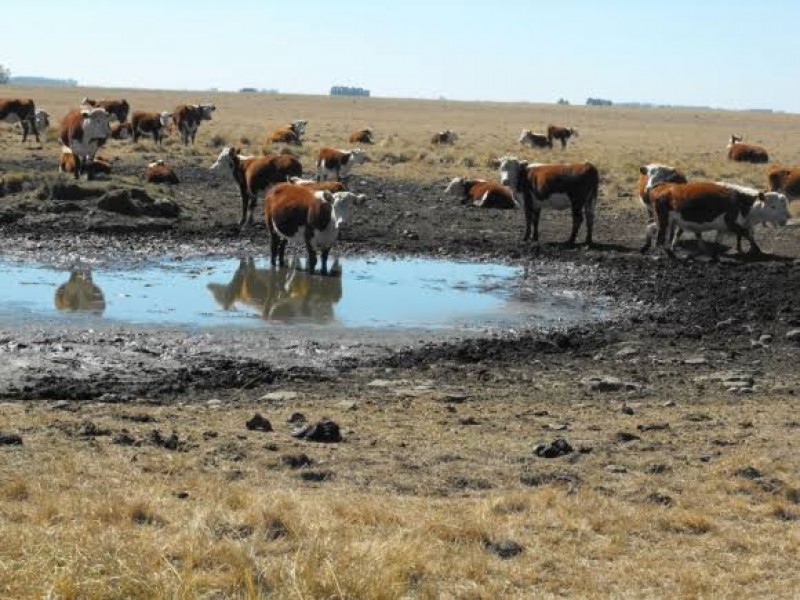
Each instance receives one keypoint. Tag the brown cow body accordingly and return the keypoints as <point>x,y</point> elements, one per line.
<point>284,135</point>
<point>158,172</point>
<point>562,134</point>
<point>17,110</point>
<point>481,193</point>
<point>448,136</point>
<point>740,152</point>
<point>785,180</point>
<point>84,131</point>
<point>187,119</point>
<point>338,163</point>
<point>68,164</point>
<point>149,123</point>
<point>324,186</point>
<point>361,136</point>
<point>118,109</point>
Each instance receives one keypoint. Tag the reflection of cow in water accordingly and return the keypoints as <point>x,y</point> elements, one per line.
<point>80,293</point>
<point>285,295</point>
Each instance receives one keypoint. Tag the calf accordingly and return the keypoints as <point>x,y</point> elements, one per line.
<point>481,193</point>
<point>83,132</point>
<point>741,152</point>
<point>295,212</point>
<point>562,134</point>
<point>338,163</point>
<point>534,140</point>
<point>68,164</point>
<point>361,136</point>
<point>254,175</point>
<point>117,109</point>
<point>447,136</point>
<point>150,123</point>
<point>558,187</point>
<point>785,180</point>
<point>328,186</point>
<point>18,110</point>
<point>187,118</point>
<point>158,172</point>
<point>703,206</point>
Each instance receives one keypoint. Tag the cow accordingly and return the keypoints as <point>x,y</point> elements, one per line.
<point>361,136</point>
<point>534,140</point>
<point>559,187</point>
<point>700,206</point>
<point>22,111</point>
<point>447,136</point>
<point>295,212</point>
<point>150,123</point>
<point>121,131</point>
<point>481,193</point>
<point>285,135</point>
<point>80,293</point>
<point>785,180</point>
<point>83,131</point>
<point>254,175</point>
<point>338,163</point>
<point>68,164</point>
<point>117,109</point>
<point>330,186</point>
<point>562,134</point>
<point>158,172</point>
<point>187,118</point>
<point>741,152</point>
<point>650,176</point>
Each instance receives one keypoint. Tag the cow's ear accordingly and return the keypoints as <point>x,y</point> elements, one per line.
<point>643,170</point>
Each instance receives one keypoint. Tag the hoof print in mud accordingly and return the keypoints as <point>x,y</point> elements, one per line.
<point>325,431</point>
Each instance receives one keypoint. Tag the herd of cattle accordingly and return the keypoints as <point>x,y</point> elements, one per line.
<point>312,211</point>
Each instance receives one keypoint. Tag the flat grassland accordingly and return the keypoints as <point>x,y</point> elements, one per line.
<point>679,486</point>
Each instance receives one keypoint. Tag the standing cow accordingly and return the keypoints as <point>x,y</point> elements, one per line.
<point>187,118</point>
<point>118,109</point>
<point>17,110</point>
<point>83,131</point>
<point>562,134</point>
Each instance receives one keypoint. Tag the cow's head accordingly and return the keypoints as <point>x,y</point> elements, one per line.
<point>359,157</point>
<point>573,132</point>
<point>657,174</point>
<point>228,158</point>
<point>524,136</point>
<point>42,119</point>
<point>774,208</point>
<point>450,135</point>
<point>456,188</point>
<point>206,110</point>
<point>513,171</point>
<point>299,126</point>
<point>343,203</point>
<point>165,117</point>
<point>735,139</point>
<point>96,125</point>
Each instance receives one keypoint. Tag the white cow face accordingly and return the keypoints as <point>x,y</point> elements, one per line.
<point>165,117</point>
<point>225,160</point>
<point>524,136</point>
<point>299,127</point>
<point>657,174</point>
<point>96,124</point>
<point>775,208</point>
<point>512,171</point>
<point>343,205</point>
<point>359,157</point>
<point>455,188</point>
<point>42,120</point>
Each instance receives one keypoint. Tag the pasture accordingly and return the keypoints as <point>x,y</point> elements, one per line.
<point>144,481</point>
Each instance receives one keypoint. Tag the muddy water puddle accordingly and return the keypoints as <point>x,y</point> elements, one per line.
<point>375,292</point>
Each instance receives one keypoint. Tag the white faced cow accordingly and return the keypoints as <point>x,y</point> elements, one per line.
<point>83,131</point>
<point>534,140</point>
<point>338,163</point>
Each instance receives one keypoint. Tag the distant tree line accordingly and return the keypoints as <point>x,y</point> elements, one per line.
<point>43,81</point>
<point>598,102</point>
<point>343,90</point>
<point>252,90</point>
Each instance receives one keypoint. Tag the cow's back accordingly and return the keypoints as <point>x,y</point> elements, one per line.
<point>564,179</point>
<point>71,127</point>
<point>288,208</point>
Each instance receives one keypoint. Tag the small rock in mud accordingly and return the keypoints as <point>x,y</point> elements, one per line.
<point>90,429</point>
<point>793,335</point>
<point>325,431</point>
<point>559,447</point>
<point>10,439</point>
<point>119,201</point>
<point>653,427</point>
<point>606,383</point>
<point>624,437</point>
<point>169,443</point>
<point>749,473</point>
<point>316,476</point>
<point>258,423</point>
<point>658,498</point>
<point>503,548</point>
<point>123,438</point>
<point>296,461</point>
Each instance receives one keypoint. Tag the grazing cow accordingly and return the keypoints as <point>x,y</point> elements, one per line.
<point>294,212</point>
<point>448,136</point>
<point>115,108</point>
<point>558,187</point>
<point>83,131</point>
<point>700,206</point>
<point>254,175</point>
<point>338,163</point>
<point>741,152</point>
<point>327,186</point>
<point>534,140</point>
<point>158,172</point>
<point>361,136</point>
<point>80,293</point>
<point>150,123</point>
<point>481,193</point>
<point>17,110</point>
<point>785,180</point>
<point>562,134</point>
<point>187,118</point>
<point>68,164</point>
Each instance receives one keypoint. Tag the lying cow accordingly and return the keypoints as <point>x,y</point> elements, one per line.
<point>562,134</point>
<point>150,123</point>
<point>534,140</point>
<point>785,180</point>
<point>327,186</point>
<point>254,175</point>
<point>121,131</point>
<point>293,212</point>
<point>187,118</point>
<point>285,135</point>
<point>558,187</point>
<point>22,111</point>
<point>118,109</point>
<point>704,206</point>
<point>448,136</point>
<point>338,163</point>
<point>361,136</point>
<point>158,172</point>
<point>741,152</point>
<point>481,193</point>
<point>84,131</point>
<point>67,163</point>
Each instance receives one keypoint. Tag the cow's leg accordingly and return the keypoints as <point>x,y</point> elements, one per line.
<point>649,234</point>
<point>536,214</point>
<point>245,202</point>
<point>35,129</point>
<point>577,219</point>
<point>282,252</point>
<point>251,209</point>
<point>312,257</point>
<point>78,166</point>
<point>274,243</point>
<point>589,213</point>
<point>323,269</point>
<point>527,205</point>
<point>563,143</point>
<point>24,125</point>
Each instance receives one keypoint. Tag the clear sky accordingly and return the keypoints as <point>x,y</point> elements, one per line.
<point>730,54</point>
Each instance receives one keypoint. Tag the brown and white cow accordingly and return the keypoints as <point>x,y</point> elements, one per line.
<point>83,131</point>
<point>158,172</point>
<point>785,180</point>
<point>562,134</point>
<point>68,164</point>
<point>534,140</point>
<point>285,135</point>
<point>254,175</point>
<point>293,212</point>
<point>328,186</point>
<point>700,206</point>
<point>338,163</point>
<point>150,123</point>
<point>481,193</point>
<point>187,118</point>
<point>121,131</point>
<point>22,111</point>
<point>650,176</point>
<point>448,136</point>
<point>741,152</point>
<point>560,187</point>
<point>117,109</point>
<point>361,136</point>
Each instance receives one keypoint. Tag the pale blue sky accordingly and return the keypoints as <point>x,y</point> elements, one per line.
<point>719,53</point>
